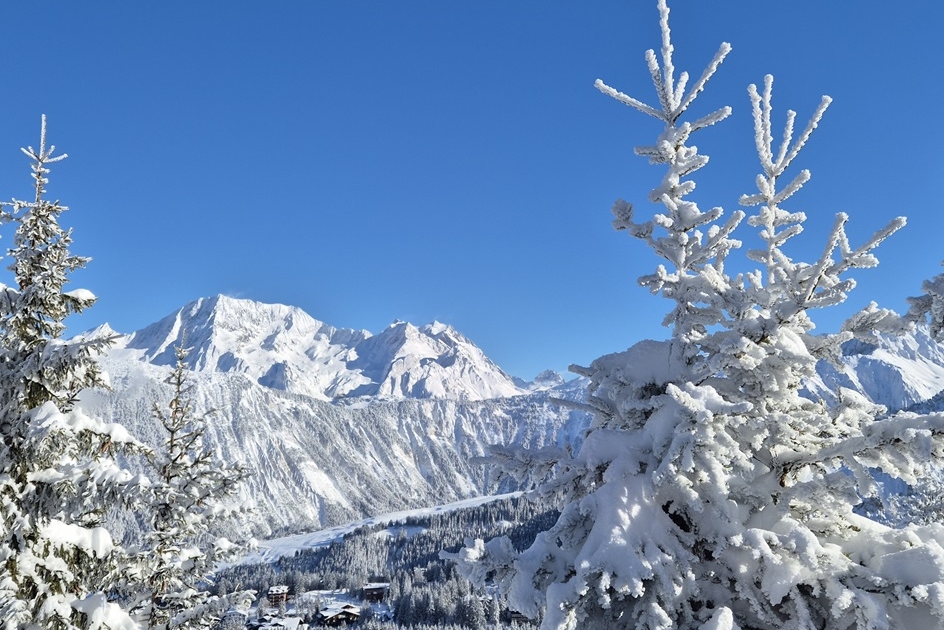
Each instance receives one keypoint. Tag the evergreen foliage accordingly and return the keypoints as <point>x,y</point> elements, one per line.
<point>58,466</point>
<point>709,493</point>
<point>188,499</point>
<point>928,308</point>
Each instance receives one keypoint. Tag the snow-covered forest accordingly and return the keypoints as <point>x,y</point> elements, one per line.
<point>423,590</point>
<point>739,475</point>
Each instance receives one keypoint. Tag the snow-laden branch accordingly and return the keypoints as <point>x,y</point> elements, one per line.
<point>673,99</point>
<point>689,239</point>
<point>928,308</point>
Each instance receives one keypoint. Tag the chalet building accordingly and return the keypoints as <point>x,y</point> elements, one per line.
<point>338,614</point>
<point>517,617</point>
<point>269,623</point>
<point>375,591</point>
<point>278,595</point>
<point>234,619</point>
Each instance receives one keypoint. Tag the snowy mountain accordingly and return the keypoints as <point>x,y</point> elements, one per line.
<point>315,464</point>
<point>282,347</point>
<point>548,379</point>
<point>433,361</point>
<point>333,424</point>
<point>898,372</point>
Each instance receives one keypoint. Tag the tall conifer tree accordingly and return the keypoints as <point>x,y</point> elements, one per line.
<point>709,493</point>
<point>58,472</point>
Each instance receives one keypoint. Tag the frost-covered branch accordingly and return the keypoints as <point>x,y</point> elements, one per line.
<point>928,308</point>
<point>673,99</point>
<point>793,288</point>
<point>685,236</point>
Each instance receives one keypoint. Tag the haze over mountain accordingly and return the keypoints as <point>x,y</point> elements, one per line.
<point>337,424</point>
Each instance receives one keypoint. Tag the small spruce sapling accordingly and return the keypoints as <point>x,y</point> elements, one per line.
<point>189,500</point>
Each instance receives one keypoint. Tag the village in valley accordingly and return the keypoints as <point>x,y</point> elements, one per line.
<point>289,611</point>
<point>387,571</point>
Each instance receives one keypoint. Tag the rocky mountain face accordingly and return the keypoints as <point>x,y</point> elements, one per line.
<point>338,424</point>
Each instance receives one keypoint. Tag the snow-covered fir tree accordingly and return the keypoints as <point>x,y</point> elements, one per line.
<point>928,308</point>
<point>709,493</point>
<point>58,468</point>
<point>189,497</point>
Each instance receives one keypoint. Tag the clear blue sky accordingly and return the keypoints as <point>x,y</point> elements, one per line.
<point>373,161</point>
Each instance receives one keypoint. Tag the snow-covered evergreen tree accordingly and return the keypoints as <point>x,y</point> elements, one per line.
<point>928,308</point>
<point>58,472</point>
<point>708,492</point>
<point>189,499</point>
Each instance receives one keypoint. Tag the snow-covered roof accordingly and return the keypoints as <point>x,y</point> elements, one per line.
<point>336,608</point>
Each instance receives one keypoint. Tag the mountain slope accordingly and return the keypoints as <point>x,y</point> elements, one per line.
<point>314,464</point>
<point>898,372</point>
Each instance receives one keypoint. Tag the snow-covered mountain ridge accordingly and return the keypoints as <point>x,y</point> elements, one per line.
<point>284,348</point>
<point>899,372</point>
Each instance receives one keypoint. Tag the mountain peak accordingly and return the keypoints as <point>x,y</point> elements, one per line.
<point>99,332</point>
<point>435,328</point>
<point>242,314</point>
<point>282,347</point>
<point>548,378</point>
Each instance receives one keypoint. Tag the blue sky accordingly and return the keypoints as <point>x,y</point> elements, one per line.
<point>372,161</point>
